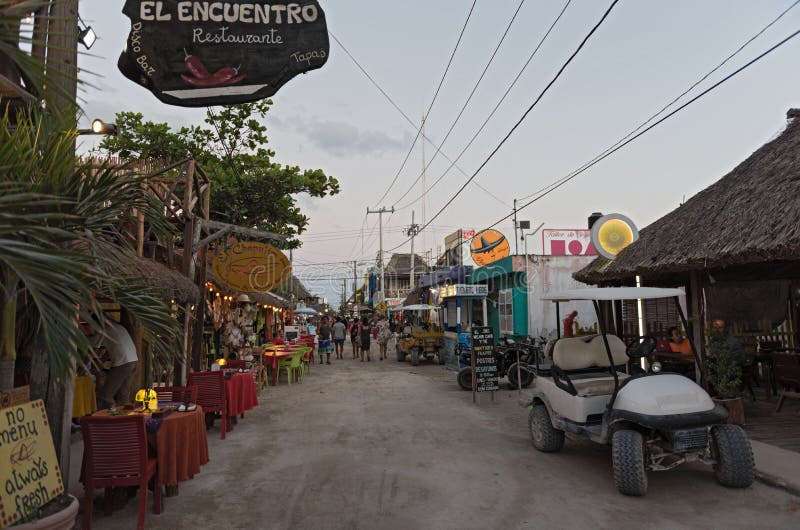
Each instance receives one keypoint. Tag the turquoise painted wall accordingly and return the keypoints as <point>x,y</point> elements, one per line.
<point>499,276</point>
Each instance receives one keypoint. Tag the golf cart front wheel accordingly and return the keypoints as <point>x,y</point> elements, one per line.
<point>627,453</point>
<point>544,436</point>
<point>465,378</point>
<point>525,375</point>
<point>401,355</point>
<point>734,456</point>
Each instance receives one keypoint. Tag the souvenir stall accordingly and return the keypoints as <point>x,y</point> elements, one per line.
<point>240,323</point>
<point>462,306</point>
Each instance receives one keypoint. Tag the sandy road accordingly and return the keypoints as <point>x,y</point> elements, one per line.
<point>388,445</point>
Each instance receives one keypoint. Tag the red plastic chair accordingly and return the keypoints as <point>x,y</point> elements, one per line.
<point>211,395</point>
<point>115,454</point>
<point>176,394</point>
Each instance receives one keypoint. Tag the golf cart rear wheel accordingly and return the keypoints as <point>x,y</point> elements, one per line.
<point>414,357</point>
<point>465,378</point>
<point>734,456</point>
<point>526,376</point>
<point>544,436</point>
<point>401,355</point>
<point>627,452</point>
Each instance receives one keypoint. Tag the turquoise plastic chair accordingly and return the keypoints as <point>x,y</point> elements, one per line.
<point>293,365</point>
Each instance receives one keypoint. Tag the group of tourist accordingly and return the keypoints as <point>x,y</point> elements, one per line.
<point>332,334</point>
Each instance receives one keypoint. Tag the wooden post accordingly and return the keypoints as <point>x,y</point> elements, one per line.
<point>202,254</point>
<point>696,318</point>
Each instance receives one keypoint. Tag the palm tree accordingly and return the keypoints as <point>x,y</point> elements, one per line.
<point>62,238</point>
<point>61,224</point>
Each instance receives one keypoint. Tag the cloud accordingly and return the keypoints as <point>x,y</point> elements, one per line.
<point>344,139</point>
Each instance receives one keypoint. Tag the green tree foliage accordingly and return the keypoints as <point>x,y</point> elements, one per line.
<point>724,373</point>
<point>248,187</point>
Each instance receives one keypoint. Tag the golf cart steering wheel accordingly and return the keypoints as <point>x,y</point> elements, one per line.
<point>637,350</point>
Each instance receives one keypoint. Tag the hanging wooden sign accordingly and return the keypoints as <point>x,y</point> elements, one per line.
<point>29,472</point>
<point>251,267</point>
<point>200,53</point>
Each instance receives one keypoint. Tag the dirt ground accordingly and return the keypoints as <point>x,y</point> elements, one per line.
<point>388,445</point>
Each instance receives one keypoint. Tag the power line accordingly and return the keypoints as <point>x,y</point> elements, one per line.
<point>433,101</point>
<point>491,114</point>
<point>397,107</point>
<point>525,115</point>
<point>557,184</point>
<point>464,106</point>
<point>691,87</point>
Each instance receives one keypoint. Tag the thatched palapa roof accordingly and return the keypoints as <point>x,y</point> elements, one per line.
<point>750,216</point>
<point>171,284</point>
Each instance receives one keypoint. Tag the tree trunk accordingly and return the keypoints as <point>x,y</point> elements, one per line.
<point>8,331</point>
<point>57,394</point>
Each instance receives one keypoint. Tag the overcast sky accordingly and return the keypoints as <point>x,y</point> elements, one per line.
<point>646,53</point>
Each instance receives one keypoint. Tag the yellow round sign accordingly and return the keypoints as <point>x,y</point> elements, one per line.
<point>251,267</point>
<point>612,233</point>
<point>489,246</point>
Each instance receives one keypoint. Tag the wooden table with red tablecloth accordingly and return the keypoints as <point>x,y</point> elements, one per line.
<point>240,392</point>
<point>181,446</point>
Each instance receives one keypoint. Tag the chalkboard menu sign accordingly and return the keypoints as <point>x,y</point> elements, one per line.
<point>29,471</point>
<point>195,54</point>
<point>484,364</point>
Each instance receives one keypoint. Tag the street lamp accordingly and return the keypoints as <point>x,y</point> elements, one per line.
<point>86,34</point>
<point>526,236</point>
<point>100,127</point>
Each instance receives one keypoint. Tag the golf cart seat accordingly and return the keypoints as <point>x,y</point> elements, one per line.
<point>584,353</point>
<point>581,364</point>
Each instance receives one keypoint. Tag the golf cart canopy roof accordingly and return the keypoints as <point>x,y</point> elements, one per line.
<point>418,307</point>
<point>613,293</point>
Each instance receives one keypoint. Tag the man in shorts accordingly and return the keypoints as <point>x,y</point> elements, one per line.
<point>339,334</point>
<point>324,332</point>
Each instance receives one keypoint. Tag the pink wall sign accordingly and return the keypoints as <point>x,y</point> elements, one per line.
<point>567,242</point>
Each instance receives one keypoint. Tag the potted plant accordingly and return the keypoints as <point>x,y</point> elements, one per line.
<point>58,514</point>
<point>725,377</point>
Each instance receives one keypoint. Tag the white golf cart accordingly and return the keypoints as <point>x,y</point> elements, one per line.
<point>653,420</point>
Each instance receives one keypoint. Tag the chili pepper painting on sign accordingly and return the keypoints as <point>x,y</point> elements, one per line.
<point>201,53</point>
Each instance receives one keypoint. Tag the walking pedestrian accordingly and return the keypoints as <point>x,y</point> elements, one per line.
<point>324,341</point>
<point>383,335</point>
<point>365,331</point>
<point>354,338</point>
<point>339,334</point>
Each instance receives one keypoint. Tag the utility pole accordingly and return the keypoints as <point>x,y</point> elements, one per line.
<point>344,293</point>
<point>380,213</point>
<point>355,286</point>
<point>412,231</point>
<point>516,240</point>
